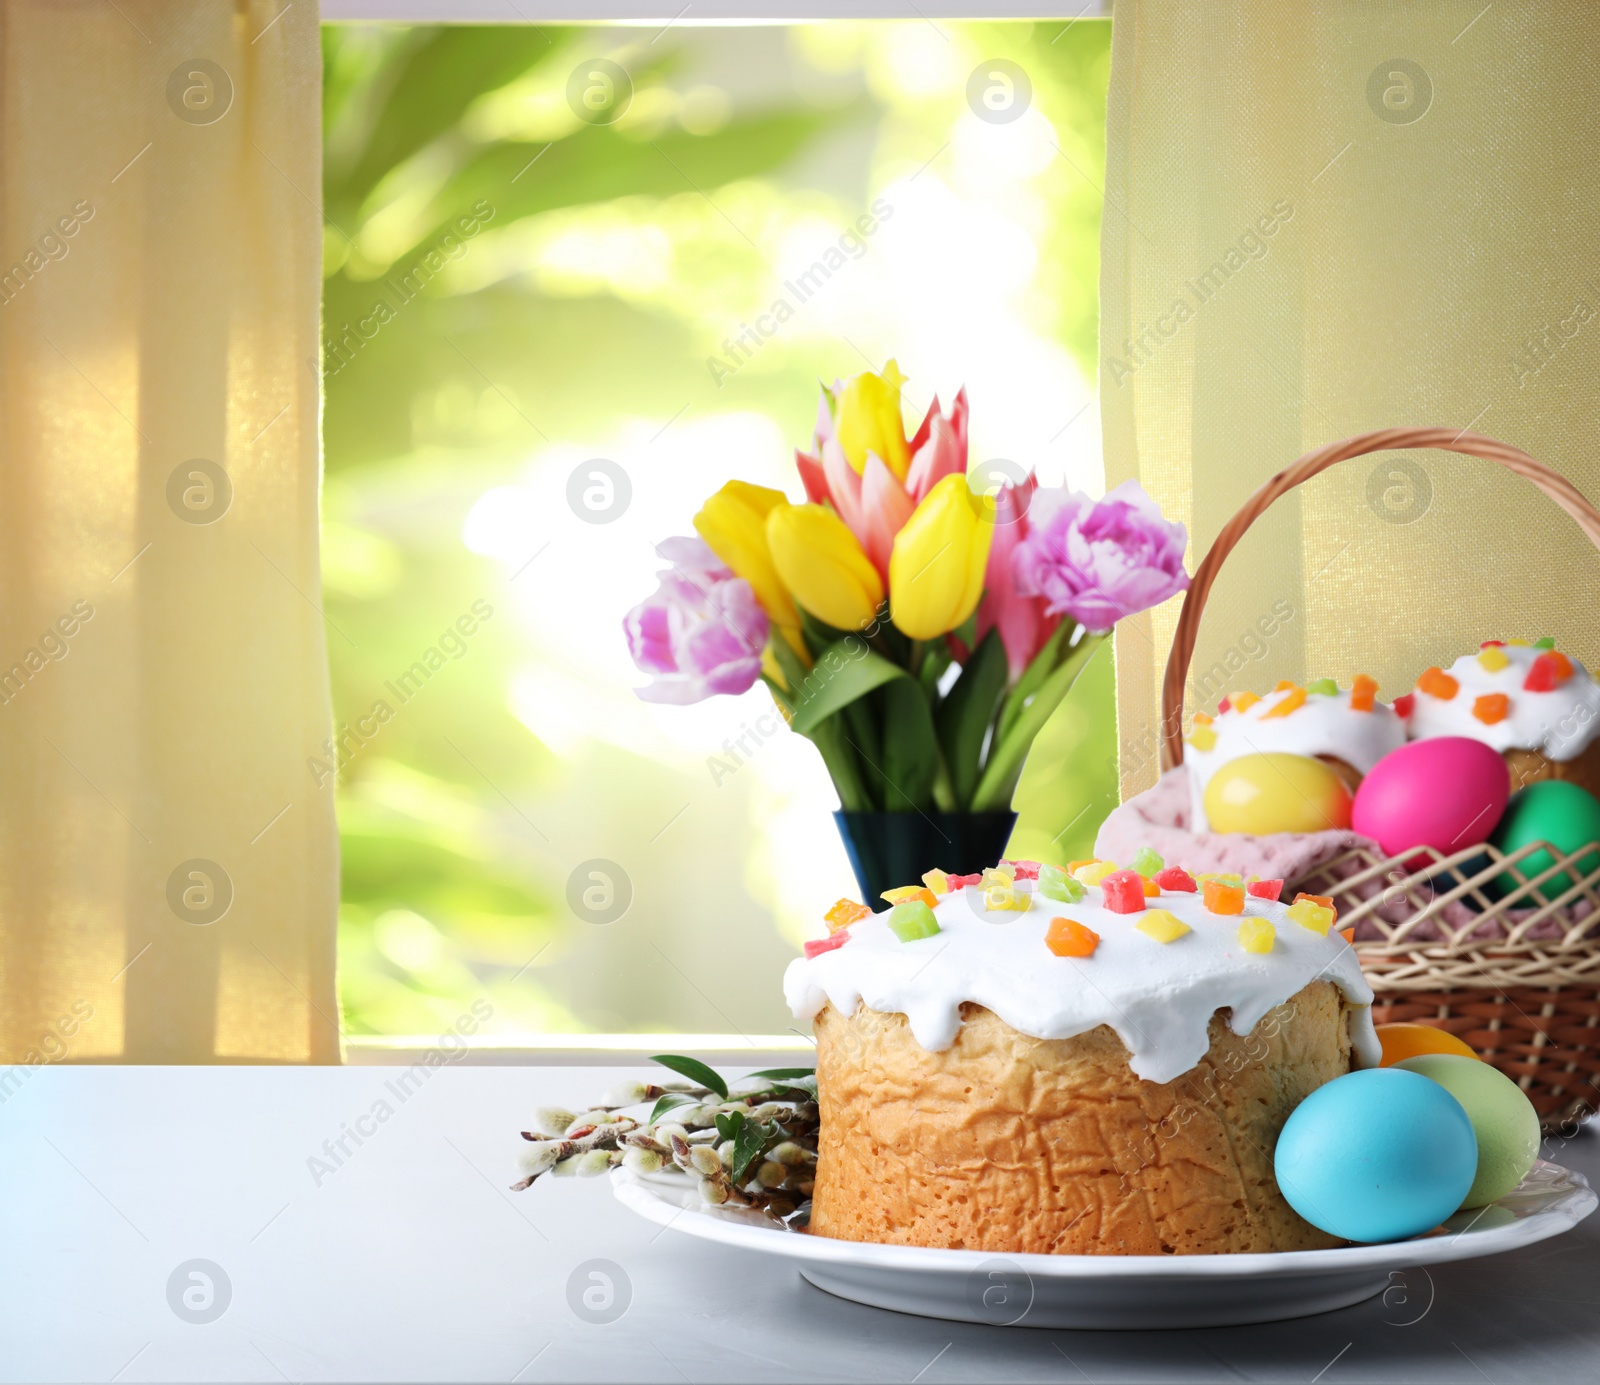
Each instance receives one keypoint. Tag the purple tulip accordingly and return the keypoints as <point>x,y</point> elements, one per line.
<point>1098,561</point>
<point>701,632</point>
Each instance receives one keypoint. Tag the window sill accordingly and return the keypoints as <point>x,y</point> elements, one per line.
<point>584,1050</point>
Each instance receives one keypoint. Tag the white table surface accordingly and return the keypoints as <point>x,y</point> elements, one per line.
<point>412,1261</point>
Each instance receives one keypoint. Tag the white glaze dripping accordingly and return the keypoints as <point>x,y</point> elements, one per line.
<point>1158,997</point>
<point>1560,724</point>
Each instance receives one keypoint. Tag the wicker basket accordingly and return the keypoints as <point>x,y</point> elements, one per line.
<point>1515,976</point>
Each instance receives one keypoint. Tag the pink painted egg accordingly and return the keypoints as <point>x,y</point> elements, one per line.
<point>1446,792</point>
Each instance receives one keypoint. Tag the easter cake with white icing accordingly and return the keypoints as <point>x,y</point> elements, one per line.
<point>1535,705</point>
<point>1348,729</point>
<point>1087,1061</point>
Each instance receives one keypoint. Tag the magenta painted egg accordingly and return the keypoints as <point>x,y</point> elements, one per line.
<point>1446,792</point>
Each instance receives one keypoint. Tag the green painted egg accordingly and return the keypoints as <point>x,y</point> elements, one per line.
<point>1502,1118</point>
<point>1550,811</point>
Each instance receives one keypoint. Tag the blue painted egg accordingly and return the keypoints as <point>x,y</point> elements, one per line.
<point>1379,1155</point>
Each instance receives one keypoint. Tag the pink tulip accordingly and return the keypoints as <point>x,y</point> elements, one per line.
<point>701,632</point>
<point>940,446</point>
<point>1024,623</point>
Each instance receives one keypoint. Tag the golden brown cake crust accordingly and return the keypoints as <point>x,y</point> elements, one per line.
<point>1530,766</point>
<point>1009,1143</point>
<point>1344,769</point>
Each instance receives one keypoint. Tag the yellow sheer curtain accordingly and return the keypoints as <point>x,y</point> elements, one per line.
<point>168,870</point>
<point>1323,218</point>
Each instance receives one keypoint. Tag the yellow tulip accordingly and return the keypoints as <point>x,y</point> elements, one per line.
<point>771,668</point>
<point>734,525</point>
<point>821,563</point>
<point>936,566</point>
<point>868,420</point>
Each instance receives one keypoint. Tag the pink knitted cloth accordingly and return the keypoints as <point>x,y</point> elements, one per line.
<point>1159,818</point>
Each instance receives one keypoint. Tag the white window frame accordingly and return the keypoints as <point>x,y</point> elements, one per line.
<point>667,12</point>
<point>602,1050</point>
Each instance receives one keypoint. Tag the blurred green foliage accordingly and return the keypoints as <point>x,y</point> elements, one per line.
<point>504,278</point>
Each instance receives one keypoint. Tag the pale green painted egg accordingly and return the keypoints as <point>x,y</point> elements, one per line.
<point>1503,1119</point>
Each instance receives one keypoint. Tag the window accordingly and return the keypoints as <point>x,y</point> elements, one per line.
<point>576,278</point>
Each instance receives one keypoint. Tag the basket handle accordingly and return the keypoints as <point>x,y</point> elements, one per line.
<point>1552,483</point>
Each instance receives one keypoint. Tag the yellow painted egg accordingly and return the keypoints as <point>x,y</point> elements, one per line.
<point>1276,792</point>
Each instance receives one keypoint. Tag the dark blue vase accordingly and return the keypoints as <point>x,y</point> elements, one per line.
<point>887,850</point>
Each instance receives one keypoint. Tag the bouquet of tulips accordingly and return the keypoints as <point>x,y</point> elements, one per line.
<point>918,631</point>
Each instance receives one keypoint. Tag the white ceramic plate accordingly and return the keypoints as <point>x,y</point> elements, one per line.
<point>1116,1291</point>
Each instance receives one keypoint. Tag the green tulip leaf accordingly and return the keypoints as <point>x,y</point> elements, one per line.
<point>1043,664</point>
<point>910,747</point>
<point>1011,744</point>
<point>844,672</point>
<point>966,712</point>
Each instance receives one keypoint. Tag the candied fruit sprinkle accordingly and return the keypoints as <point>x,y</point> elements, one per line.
<point>1264,889</point>
<point>1403,705</point>
<point>1324,687</point>
<point>1056,884</point>
<point>1162,925</point>
<point>1284,684</point>
<point>1492,658</point>
<point>1545,642</point>
<point>1224,706</point>
<point>1203,738</point>
<point>1309,914</point>
<point>1492,644</point>
<point>1491,707</point>
<point>1122,892</point>
<point>1223,898</point>
<point>844,913</point>
<point>1293,698</point>
<point>1243,702</point>
<point>961,882</point>
<point>998,875</point>
<point>1069,938</point>
<point>1176,879</point>
<point>905,892</point>
<point>937,881</point>
<point>815,947</point>
<point>1004,899</point>
<point>912,920</point>
<point>1437,683</point>
<point>1095,872</point>
<point>1147,861</point>
<point>1363,692</point>
<point>1257,935</point>
<point>1547,672</point>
